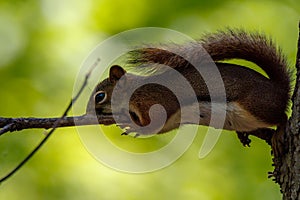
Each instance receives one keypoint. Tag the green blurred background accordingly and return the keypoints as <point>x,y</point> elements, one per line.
<point>42,45</point>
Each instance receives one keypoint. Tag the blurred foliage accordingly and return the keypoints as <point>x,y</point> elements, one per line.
<point>43,43</point>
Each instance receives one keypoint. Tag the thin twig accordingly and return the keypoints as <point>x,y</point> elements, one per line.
<point>55,125</point>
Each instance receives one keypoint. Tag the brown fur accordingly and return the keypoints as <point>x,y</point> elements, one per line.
<point>264,99</point>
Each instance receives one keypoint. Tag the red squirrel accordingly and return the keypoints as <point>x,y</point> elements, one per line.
<point>254,102</point>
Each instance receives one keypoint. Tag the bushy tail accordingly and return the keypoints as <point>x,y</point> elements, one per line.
<point>253,47</point>
<point>223,45</point>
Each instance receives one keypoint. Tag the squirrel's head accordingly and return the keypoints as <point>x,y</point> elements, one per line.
<point>100,100</point>
<point>119,94</point>
<point>101,103</point>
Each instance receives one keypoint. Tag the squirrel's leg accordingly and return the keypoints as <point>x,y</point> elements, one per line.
<point>277,141</point>
<point>262,133</point>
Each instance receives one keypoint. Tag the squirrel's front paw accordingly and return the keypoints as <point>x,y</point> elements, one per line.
<point>128,129</point>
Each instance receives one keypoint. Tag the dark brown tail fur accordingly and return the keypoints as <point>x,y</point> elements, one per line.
<point>223,45</point>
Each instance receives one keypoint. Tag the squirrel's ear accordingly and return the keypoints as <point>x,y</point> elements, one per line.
<point>115,73</point>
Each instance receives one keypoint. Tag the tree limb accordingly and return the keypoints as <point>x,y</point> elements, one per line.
<point>13,124</point>
<point>17,124</point>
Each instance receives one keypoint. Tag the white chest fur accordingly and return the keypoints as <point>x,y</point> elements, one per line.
<point>232,117</point>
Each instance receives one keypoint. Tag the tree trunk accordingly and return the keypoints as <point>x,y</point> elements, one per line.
<point>287,165</point>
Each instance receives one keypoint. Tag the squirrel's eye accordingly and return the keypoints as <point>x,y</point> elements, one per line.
<point>100,97</point>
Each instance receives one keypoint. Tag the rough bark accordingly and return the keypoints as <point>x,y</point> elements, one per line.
<point>287,165</point>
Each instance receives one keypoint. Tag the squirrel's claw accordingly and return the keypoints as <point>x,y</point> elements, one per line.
<point>128,130</point>
<point>244,138</point>
<point>124,133</point>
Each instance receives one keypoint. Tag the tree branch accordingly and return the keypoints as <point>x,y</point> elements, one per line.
<point>17,124</point>
<point>13,124</point>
